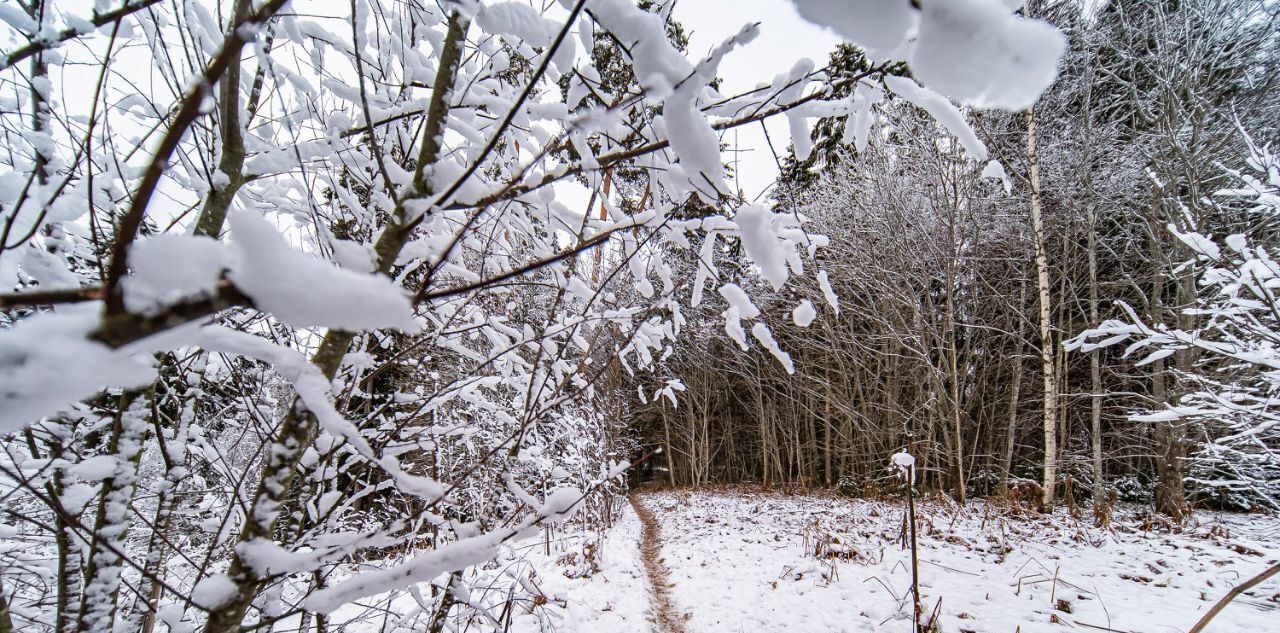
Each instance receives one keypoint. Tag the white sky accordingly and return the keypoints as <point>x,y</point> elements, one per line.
<point>784,39</point>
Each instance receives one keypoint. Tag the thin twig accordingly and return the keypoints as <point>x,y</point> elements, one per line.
<point>1232,595</point>
<point>99,19</point>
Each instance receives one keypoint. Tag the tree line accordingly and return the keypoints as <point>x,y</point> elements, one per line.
<point>967,269</point>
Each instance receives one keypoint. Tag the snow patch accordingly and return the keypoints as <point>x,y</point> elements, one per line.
<point>214,591</point>
<point>804,314</point>
<point>304,291</point>
<point>48,362</point>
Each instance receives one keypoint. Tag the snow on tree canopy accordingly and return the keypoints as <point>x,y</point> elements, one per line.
<point>790,86</point>
<point>943,111</point>
<point>903,459</point>
<point>168,268</point>
<point>828,293</point>
<point>978,52</point>
<point>975,51</point>
<point>858,130</point>
<point>517,19</point>
<point>695,142</point>
<point>658,65</point>
<point>213,592</point>
<point>303,291</point>
<point>804,313</point>
<point>400,167</point>
<point>669,76</point>
<point>764,244</point>
<point>877,25</point>
<point>904,465</point>
<point>733,326</point>
<point>48,362</point>
<point>423,567</point>
<point>561,504</point>
<point>96,468</point>
<point>762,334</point>
<point>737,297</point>
<point>996,170</point>
<point>1201,244</point>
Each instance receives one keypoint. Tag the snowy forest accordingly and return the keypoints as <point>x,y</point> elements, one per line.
<point>482,315</point>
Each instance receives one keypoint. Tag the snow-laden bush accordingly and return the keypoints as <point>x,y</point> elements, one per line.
<point>1232,404</point>
<point>983,483</point>
<point>1133,489</point>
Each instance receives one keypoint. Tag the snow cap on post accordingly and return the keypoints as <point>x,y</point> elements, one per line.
<point>904,464</point>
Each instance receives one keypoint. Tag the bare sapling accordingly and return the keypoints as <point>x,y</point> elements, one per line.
<point>904,464</point>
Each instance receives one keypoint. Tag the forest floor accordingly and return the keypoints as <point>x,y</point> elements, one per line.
<point>745,561</point>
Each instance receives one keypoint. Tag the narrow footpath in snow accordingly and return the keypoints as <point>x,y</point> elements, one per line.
<point>663,614</point>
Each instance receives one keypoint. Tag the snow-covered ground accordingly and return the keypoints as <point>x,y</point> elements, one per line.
<point>615,598</point>
<point>744,562</point>
<point>537,584</point>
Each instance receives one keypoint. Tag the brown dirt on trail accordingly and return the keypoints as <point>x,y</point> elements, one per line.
<point>665,617</point>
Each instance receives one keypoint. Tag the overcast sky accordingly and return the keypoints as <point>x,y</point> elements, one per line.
<point>784,39</point>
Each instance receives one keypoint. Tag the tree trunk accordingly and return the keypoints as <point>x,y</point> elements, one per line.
<point>1095,366</point>
<point>299,425</point>
<point>103,567</point>
<point>1015,390</point>
<point>666,448</point>
<point>39,103</point>
<point>1170,499</point>
<point>6,620</point>
<point>953,368</point>
<point>1046,326</point>
<point>827,477</point>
